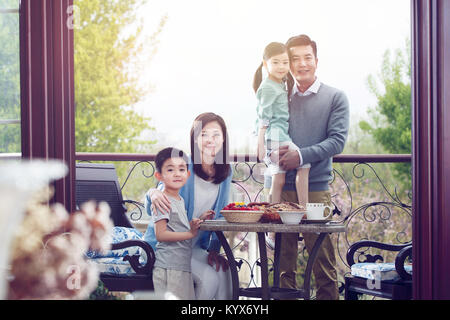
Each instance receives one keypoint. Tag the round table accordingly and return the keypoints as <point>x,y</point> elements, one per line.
<point>275,292</point>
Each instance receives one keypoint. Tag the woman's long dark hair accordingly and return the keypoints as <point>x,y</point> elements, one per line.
<point>272,49</point>
<point>221,162</point>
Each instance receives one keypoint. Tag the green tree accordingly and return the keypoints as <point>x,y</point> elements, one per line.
<point>111,48</point>
<point>109,44</point>
<point>391,118</point>
<point>9,77</point>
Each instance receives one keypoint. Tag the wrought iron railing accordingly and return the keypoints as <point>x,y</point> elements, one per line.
<point>371,207</point>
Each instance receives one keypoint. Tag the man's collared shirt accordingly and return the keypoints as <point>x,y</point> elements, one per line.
<point>314,88</point>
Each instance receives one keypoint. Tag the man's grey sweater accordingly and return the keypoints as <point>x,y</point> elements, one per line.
<point>318,125</point>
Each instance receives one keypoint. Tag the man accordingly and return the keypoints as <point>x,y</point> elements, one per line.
<point>318,125</point>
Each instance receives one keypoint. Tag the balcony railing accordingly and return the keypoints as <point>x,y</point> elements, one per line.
<point>367,198</point>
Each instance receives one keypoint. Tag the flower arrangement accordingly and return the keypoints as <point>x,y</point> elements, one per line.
<point>48,252</point>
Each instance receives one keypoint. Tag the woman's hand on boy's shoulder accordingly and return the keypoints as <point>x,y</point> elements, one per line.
<point>160,202</point>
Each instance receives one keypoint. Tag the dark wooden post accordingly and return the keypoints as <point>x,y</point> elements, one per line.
<point>47,88</point>
<point>431,148</point>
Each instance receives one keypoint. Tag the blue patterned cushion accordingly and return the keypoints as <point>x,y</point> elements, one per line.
<point>120,234</point>
<point>114,265</point>
<point>377,271</point>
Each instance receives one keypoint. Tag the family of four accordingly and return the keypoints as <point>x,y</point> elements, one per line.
<point>302,123</point>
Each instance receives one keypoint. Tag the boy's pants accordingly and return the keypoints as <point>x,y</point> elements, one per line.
<point>177,282</point>
<point>324,268</point>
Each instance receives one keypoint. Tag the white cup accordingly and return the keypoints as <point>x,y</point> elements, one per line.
<point>315,211</point>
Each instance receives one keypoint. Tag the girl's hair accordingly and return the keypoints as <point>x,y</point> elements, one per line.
<point>272,49</point>
<point>221,161</point>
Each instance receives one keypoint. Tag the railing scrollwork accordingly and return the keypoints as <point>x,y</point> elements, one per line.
<point>371,209</point>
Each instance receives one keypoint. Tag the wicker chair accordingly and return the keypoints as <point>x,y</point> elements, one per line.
<point>99,182</point>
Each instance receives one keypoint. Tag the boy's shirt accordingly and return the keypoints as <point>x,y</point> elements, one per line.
<point>174,255</point>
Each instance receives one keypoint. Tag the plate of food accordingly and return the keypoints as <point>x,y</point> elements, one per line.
<point>269,215</point>
<point>238,212</point>
<point>272,212</point>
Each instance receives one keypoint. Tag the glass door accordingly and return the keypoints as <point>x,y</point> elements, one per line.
<point>10,135</point>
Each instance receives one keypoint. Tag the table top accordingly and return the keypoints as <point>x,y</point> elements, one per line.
<point>222,225</point>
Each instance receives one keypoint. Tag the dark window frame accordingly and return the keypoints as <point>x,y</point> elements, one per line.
<point>47,89</point>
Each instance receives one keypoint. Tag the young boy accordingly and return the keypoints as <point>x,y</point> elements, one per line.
<point>172,271</point>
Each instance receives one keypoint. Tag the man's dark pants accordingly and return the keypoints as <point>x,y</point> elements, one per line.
<point>324,268</point>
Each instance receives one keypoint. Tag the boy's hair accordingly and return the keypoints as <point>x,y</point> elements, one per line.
<point>169,153</point>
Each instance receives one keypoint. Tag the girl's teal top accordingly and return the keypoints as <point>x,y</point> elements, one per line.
<point>273,110</point>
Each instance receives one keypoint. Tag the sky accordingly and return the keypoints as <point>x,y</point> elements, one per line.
<point>209,51</point>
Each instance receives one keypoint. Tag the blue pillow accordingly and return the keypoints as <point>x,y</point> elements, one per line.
<point>119,234</point>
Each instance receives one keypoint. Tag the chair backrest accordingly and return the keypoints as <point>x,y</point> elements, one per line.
<point>99,182</point>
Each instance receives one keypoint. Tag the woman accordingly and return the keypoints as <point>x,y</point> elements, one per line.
<point>207,188</point>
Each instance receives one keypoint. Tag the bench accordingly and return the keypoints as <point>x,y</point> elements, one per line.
<point>99,182</point>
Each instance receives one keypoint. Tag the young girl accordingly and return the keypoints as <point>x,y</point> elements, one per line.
<point>273,117</point>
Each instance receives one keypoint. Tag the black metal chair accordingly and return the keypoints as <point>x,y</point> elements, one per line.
<point>398,289</point>
<point>99,182</point>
